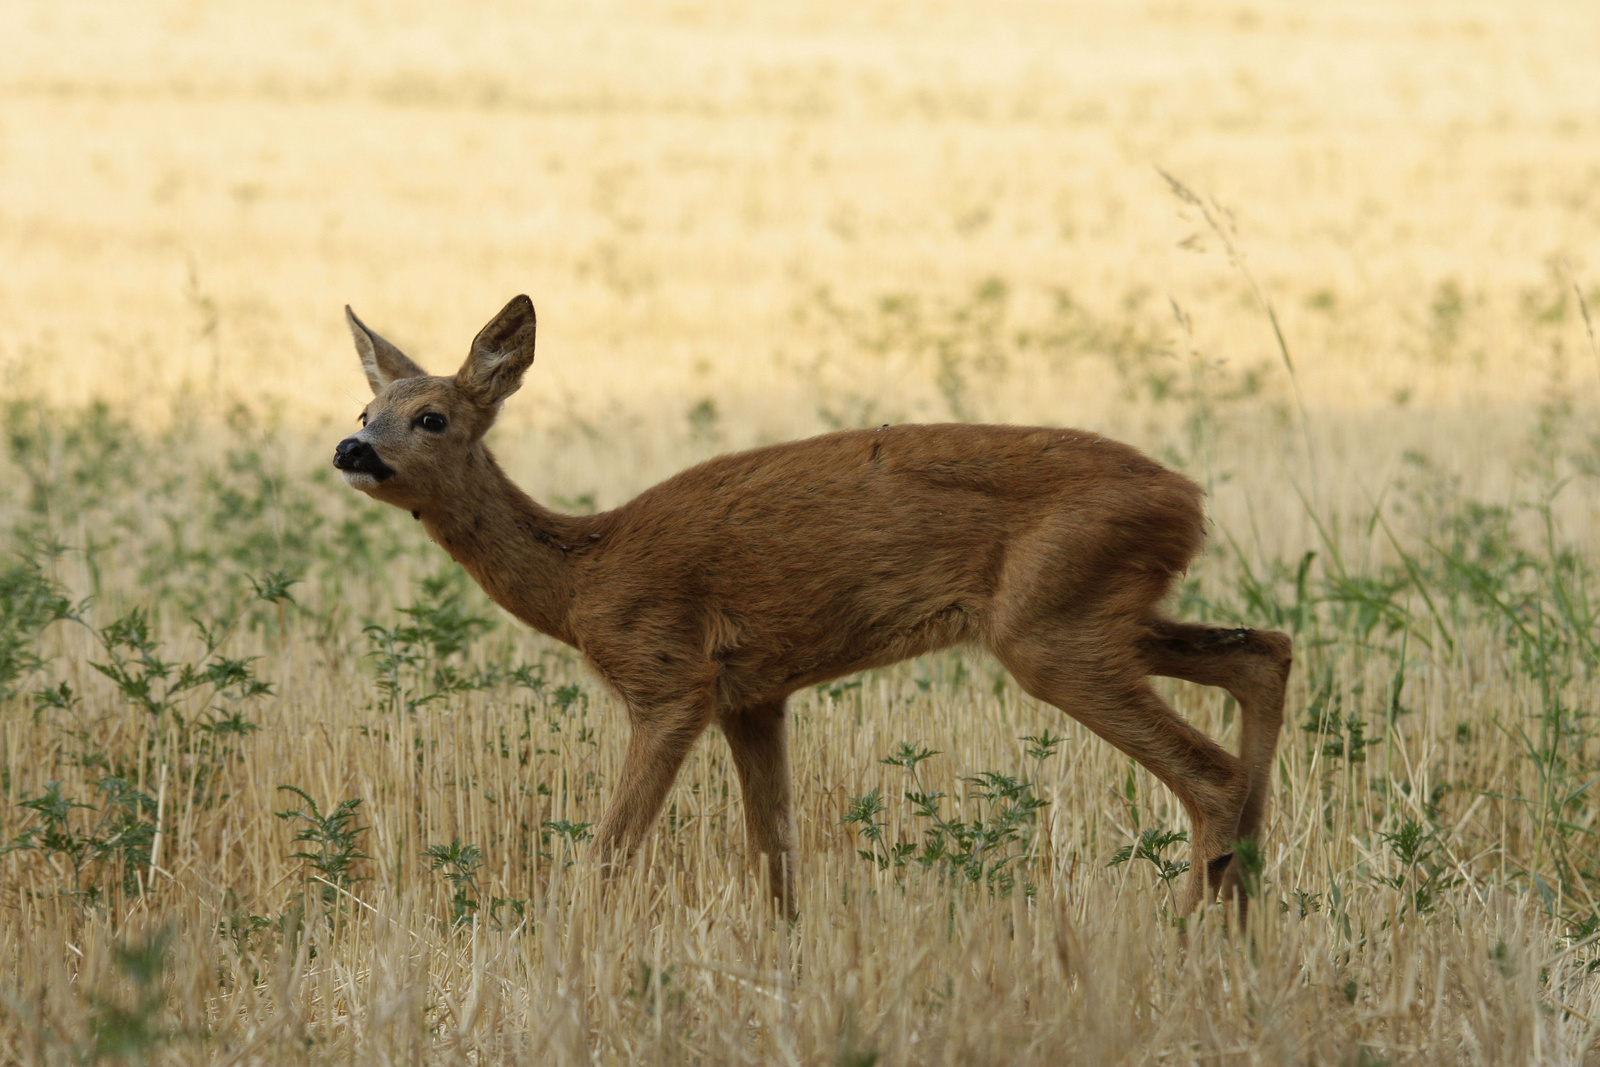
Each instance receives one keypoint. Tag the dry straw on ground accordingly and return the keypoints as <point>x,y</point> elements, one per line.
<point>743,223</point>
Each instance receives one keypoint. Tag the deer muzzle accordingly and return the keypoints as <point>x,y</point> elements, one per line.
<point>360,463</point>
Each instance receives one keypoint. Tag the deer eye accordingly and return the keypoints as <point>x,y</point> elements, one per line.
<point>363,418</point>
<point>433,422</point>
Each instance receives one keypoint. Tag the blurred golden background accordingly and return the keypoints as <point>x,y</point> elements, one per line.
<point>189,192</point>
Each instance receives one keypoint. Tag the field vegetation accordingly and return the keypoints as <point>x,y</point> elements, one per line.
<point>279,785</point>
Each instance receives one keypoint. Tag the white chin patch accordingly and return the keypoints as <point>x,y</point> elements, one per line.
<point>359,480</point>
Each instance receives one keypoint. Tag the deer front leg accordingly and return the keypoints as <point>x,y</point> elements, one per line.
<point>660,741</point>
<point>757,736</point>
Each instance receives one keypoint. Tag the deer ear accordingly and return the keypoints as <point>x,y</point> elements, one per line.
<point>500,354</point>
<point>382,361</point>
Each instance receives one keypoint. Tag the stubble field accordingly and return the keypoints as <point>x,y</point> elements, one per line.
<point>277,785</point>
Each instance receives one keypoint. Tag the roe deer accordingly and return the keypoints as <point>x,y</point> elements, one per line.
<point>711,597</point>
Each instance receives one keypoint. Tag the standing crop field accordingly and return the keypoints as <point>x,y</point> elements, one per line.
<point>279,785</point>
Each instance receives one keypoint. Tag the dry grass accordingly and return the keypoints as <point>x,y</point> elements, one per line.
<point>743,224</point>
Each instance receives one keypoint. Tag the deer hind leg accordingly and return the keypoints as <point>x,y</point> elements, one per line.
<point>758,737</point>
<point>1101,683</point>
<point>660,741</point>
<point>1253,666</point>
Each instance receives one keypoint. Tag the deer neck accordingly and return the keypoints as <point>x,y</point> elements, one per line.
<point>515,548</point>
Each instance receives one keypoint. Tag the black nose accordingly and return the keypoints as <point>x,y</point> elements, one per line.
<point>356,455</point>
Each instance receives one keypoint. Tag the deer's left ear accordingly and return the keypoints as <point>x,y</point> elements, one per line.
<point>500,354</point>
<point>382,361</point>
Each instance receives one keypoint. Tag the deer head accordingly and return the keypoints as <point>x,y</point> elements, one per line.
<point>420,431</point>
